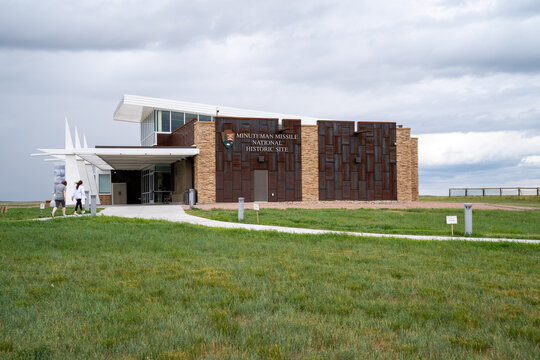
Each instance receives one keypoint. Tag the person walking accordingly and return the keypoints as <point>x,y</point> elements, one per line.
<point>78,195</point>
<point>60,198</point>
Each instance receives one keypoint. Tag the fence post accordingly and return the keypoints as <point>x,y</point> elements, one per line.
<point>466,192</point>
<point>500,191</point>
<point>483,192</point>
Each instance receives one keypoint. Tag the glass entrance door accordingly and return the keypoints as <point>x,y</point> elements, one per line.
<point>156,184</point>
<point>147,186</point>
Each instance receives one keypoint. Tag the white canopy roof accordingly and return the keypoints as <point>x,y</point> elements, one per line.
<point>128,158</point>
<point>135,108</point>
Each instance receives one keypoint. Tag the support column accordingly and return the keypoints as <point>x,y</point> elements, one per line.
<point>204,166</point>
<point>310,163</point>
<point>406,165</point>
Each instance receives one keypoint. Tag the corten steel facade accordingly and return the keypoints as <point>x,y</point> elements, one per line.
<point>357,164</point>
<point>333,160</point>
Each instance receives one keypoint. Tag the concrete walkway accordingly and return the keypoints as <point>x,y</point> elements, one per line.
<point>176,213</point>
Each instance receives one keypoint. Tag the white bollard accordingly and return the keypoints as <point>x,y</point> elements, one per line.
<point>468,219</point>
<point>87,200</point>
<point>240,208</point>
<point>93,204</point>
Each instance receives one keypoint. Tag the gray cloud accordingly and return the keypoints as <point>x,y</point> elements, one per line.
<point>436,66</point>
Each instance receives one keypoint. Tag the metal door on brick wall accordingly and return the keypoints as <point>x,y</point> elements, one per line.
<point>260,185</point>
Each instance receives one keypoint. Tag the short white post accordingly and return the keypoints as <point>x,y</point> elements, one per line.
<point>87,200</point>
<point>468,219</point>
<point>240,208</point>
<point>93,204</point>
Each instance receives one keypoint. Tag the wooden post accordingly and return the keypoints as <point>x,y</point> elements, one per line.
<point>500,191</point>
<point>4,211</point>
<point>452,227</point>
<point>256,208</point>
<point>466,192</point>
<point>483,192</point>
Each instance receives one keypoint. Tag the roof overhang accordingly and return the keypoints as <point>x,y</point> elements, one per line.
<point>117,158</point>
<point>135,108</point>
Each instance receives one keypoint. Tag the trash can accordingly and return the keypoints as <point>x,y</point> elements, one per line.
<point>190,197</point>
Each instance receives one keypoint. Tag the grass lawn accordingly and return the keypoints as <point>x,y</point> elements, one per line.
<point>121,289</point>
<point>486,223</point>
<point>33,212</point>
<point>529,201</point>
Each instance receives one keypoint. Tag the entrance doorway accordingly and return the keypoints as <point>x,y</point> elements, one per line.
<point>156,184</point>
<point>126,186</point>
<point>261,185</point>
<point>119,193</point>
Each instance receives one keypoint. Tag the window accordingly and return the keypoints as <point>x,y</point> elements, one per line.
<point>205,118</point>
<point>104,183</point>
<point>190,117</point>
<point>163,121</point>
<point>177,120</point>
<point>166,121</point>
<point>147,130</point>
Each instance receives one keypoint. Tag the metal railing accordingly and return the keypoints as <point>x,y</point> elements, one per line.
<point>495,191</point>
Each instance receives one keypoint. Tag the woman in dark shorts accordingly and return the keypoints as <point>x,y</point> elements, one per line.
<point>60,198</point>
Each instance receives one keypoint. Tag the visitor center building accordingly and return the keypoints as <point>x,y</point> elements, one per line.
<point>225,153</point>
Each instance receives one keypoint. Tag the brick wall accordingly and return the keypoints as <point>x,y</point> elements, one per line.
<point>205,162</point>
<point>414,169</point>
<point>407,165</point>
<point>105,199</point>
<point>310,166</point>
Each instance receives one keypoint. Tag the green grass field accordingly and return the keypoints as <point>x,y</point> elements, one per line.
<point>486,223</point>
<point>529,201</point>
<point>28,212</point>
<point>132,289</point>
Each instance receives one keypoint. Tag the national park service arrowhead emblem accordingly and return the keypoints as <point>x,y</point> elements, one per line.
<point>228,138</point>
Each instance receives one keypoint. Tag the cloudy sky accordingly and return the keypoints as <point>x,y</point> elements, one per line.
<point>464,75</point>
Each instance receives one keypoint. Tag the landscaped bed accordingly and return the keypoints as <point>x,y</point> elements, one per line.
<point>118,288</point>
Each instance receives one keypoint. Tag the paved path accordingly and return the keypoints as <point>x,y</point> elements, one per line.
<point>176,213</point>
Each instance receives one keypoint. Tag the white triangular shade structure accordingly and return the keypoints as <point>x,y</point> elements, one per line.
<point>75,167</point>
<point>68,141</point>
<point>77,141</point>
<point>84,163</point>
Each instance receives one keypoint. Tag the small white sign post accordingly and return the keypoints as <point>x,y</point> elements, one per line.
<point>451,220</point>
<point>41,207</point>
<point>256,208</point>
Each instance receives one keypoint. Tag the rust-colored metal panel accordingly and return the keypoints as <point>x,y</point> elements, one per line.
<point>183,136</point>
<point>357,165</point>
<point>249,152</point>
<point>163,139</point>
